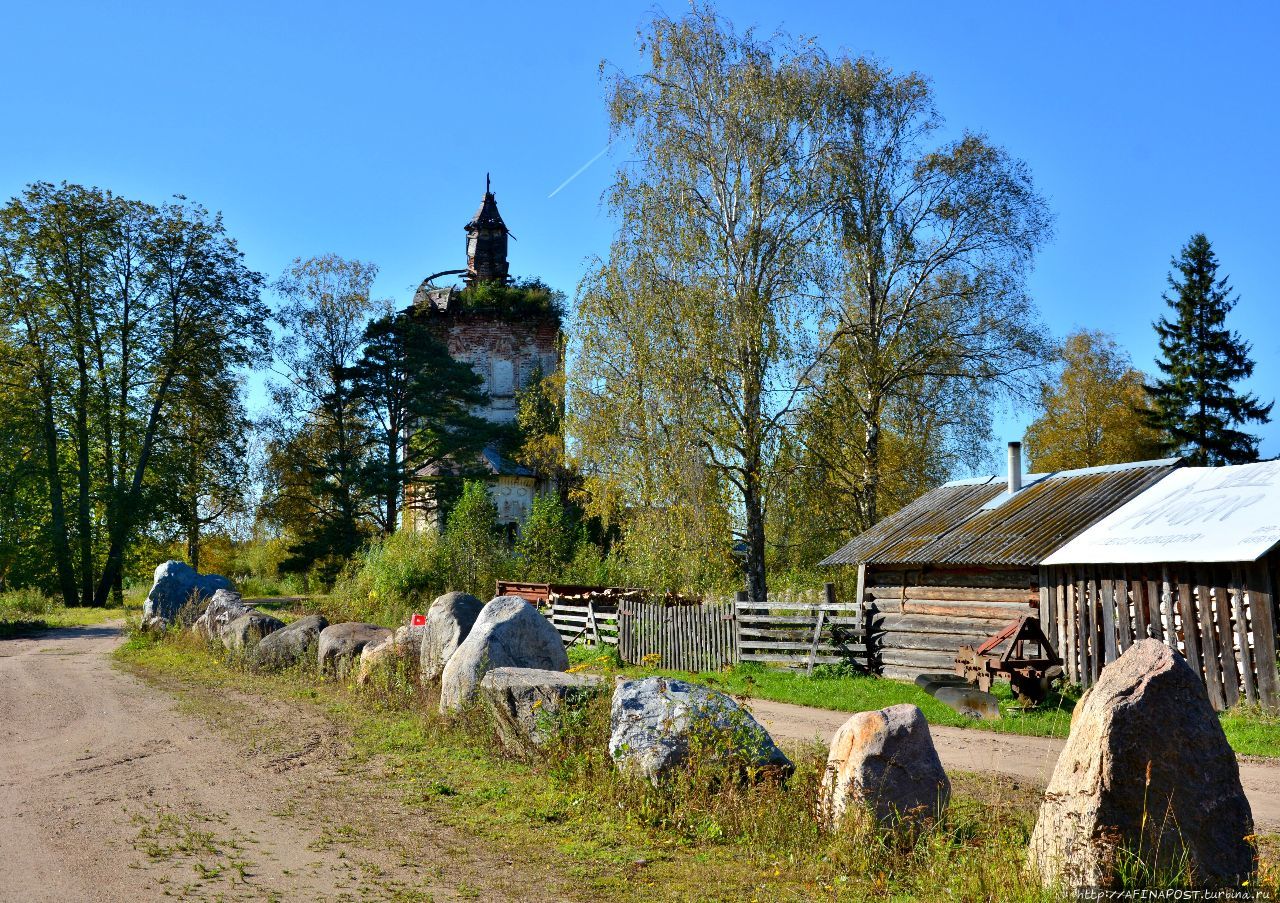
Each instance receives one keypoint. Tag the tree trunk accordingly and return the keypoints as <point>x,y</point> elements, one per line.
<point>193,535</point>
<point>57,511</point>
<point>393,487</point>
<point>868,493</point>
<point>84,502</point>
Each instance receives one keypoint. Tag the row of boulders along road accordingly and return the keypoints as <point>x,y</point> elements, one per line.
<point>1146,789</point>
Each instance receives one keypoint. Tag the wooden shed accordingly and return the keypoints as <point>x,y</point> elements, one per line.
<point>1190,561</point>
<point>963,560</point>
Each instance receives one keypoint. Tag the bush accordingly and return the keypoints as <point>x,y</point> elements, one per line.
<point>393,576</point>
<point>549,540</point>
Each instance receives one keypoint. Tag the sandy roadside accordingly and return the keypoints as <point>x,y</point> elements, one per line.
<point>108,791</point>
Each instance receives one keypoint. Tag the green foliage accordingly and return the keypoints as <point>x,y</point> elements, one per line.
<point>1097,412</point>
<point>1196,405</point>
<point>549,539</point>
<point>523,299</point>
<point>473,543</point>
<point>392,576</point>
<point>124,327</point>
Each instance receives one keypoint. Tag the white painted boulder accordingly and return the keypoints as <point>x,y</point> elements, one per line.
<point>883,763</point>
<point>1146,784</point>
<point>176,585</point>
<point>657,724</point>
<point>449,620</point>
<point>509,633</point>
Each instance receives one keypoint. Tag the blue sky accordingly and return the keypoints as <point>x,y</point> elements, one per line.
<point>367,129</point>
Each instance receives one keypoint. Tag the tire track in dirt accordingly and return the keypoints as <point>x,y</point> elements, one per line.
<point>110,792</point>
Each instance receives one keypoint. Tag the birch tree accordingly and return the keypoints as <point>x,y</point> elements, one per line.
<point>688,333</point>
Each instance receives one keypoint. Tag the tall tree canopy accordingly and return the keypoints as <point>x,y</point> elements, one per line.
<point>1097,411</point>
<point>1195,403</point>
<point>119,311</point>
<point>321,433</point>
<point>801,264</point>
<point>422,404</point>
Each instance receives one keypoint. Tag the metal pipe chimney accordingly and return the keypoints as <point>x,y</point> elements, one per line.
<point>1015,467</point>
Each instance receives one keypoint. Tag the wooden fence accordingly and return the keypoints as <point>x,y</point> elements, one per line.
<point>585,621</point>
<point>802,635</point>
<point>789,629</point>
<point>682,637</point>
<point>1220,616</point>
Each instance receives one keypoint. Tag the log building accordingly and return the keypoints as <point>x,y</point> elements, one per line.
<point>963,560</point>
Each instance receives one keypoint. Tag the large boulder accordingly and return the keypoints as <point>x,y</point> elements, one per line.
<point>449,620</point>
<point>289,645</point>
<point>339,645</point>
<point>225,607</point>
<point>884,763</point>
<point>655,723</point>
<point>247,631</point>
<point>400,646</point>
<point>528,705</point>
<point>509,633</point>
<point>175,585</point>
<point>1146,784</point>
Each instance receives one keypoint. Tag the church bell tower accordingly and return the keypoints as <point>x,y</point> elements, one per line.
<point>487,243</point>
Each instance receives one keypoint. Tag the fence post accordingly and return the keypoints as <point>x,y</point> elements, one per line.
<point>591,622</point>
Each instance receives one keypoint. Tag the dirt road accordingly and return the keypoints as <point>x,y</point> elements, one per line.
<point>1029,758</point>
<point>108,791</point>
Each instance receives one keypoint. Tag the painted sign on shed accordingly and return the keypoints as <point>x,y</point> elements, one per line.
<point>1202,514</point>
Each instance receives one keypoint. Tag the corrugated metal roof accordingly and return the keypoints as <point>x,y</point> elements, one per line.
<point>966,523</point>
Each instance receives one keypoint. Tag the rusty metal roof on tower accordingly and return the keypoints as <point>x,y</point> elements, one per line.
<point>977,522</point>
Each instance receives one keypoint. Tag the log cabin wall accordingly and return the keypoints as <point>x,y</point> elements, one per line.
<point>1221,616</point>
<point>922,616</point>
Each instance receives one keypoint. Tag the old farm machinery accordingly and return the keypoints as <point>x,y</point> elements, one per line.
<point>1019,653</point>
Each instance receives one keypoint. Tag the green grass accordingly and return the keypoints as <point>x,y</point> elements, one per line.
<point>604,837</point>
<point>24,612</point>
<point>1249,729</point>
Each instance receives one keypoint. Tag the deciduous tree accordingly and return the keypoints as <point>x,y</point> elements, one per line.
<point>1096,412</point>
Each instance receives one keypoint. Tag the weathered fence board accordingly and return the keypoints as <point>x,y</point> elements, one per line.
<point>681,637</point>
<point>1220,616</point>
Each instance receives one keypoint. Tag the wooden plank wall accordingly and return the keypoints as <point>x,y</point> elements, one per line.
<point>923,617</point>
<point>681,637</point>
<point>1220,616</point>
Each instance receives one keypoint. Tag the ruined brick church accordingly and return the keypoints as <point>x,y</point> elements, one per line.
<point>507,349</point>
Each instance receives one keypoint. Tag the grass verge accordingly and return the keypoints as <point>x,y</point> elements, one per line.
<point>23,612</point>
<point>601,836</point>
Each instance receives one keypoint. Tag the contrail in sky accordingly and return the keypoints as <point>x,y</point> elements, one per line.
<point>581,169</point>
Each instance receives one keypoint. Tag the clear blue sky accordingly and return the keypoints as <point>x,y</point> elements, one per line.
<point>366,129</point>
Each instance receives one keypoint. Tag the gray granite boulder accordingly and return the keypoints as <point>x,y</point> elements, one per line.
<point>174,586</point>
<point>339,645</point>
<point>289,645</point>
<point>225,607</point>
<point>449,620</point>
<point>884,763</point>
<point>247,631</point>
<point>1146,777</point>
<point>401,647</point>
<point>529,705</point>
<point>509,633</point>
<point>656,723</point>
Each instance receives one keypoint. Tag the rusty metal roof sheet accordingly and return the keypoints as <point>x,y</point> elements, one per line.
<point>976,522</point>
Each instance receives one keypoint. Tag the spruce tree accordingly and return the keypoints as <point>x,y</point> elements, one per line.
<point>1194,403</point>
